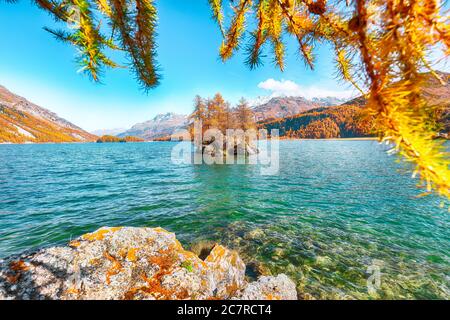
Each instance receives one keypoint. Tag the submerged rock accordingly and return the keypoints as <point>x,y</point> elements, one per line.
<point>133,263</point>
<point>254,234</point>
<point>255,269</point>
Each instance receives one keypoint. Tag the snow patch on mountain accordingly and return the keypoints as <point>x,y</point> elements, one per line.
<point>160,126</point>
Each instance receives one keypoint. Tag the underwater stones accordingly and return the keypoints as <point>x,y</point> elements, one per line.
<point>278,253</point>
<point>254,234</point>
<point>130,263</point>
<point>290,268</point>
<point>323,260</point>
<point>237,242</point>
<point>308,244</point>
<point>270,288</point>
<point>305,296</point>
<point>255,269</point>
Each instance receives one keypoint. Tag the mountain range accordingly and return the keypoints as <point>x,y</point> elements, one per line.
<point>348,119</point>
<point>264,108</point>
<point>160,126</point>
<point>108,132</point>
<point>22,121</point>
<point>282,107</point>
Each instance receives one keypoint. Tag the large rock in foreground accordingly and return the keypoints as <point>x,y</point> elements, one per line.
<point>269,288</point>
<point>133,263</point>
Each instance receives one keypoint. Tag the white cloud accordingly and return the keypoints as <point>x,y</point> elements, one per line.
<point>291,89</point>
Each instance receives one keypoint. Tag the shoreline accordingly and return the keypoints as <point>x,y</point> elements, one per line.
<point>333,139</point>
<point>281,138</point>
<point>60,143</point>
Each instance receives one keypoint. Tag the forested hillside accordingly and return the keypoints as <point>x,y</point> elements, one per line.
<point>349,120</point>
<point>22,121</point>
<point>282,107</point>
<point>21,127</point>
<point>322,123</point>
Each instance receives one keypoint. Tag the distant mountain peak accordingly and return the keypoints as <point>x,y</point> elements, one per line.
<point>161,125</point>
<point>167,116</point>
<point>286,106</point>
<point>108,132</point>
<point>324,101</point>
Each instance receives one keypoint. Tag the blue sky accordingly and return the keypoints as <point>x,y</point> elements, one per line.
<point>36,66</point>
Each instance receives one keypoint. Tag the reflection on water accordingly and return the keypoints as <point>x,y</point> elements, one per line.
<point>335,209</point>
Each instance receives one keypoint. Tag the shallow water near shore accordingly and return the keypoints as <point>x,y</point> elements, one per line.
<point>335,211</point>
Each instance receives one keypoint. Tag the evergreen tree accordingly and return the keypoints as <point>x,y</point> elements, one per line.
<point>245,118</point>
<point>200,112</point>
<point>217,113</point>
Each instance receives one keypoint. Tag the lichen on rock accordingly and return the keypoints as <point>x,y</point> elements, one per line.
<point>269,288</point>
<point>133,263</point>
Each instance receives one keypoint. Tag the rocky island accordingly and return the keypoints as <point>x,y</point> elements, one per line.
<point>126,263</point>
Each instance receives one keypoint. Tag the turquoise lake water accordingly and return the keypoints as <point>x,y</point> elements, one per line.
<point>335,209</point>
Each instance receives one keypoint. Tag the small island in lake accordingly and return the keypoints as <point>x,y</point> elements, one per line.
<point>108,138</point>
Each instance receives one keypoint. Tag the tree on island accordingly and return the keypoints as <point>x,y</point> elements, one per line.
<point>380,45</point>
<point>244,116</point>
<point>216,113</point>
<point>200,110</point>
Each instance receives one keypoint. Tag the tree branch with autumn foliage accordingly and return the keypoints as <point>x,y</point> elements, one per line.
<point>380,45</point>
